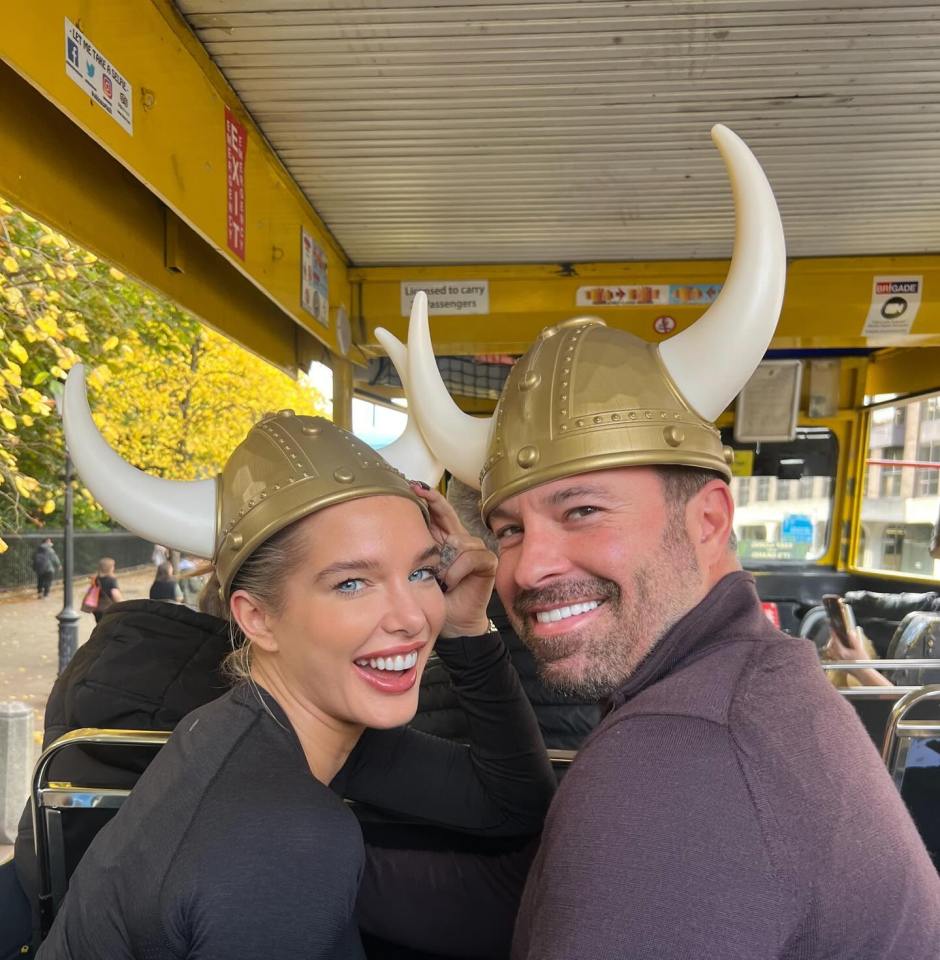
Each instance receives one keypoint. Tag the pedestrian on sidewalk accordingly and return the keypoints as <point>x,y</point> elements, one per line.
<point>109,593</point>
<point>45,564</point>
<point>165,586</point>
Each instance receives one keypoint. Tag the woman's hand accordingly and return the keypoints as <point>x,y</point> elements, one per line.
<point>466,571</point>
<point>855,650</point>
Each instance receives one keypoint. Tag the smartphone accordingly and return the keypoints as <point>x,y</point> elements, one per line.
<point>841,621</point>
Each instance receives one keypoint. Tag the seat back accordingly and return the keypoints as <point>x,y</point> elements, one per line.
<point>59,850</point>
<point>917,638</point>
<point>912,754</point>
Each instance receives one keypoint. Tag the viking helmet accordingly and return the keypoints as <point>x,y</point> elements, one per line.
<point>587,397</point>
<point>288,467</point>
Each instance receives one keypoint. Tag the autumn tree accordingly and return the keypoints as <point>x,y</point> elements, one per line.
<point>173,396</point>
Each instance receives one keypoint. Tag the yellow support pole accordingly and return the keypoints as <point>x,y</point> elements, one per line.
<point>342,393</point>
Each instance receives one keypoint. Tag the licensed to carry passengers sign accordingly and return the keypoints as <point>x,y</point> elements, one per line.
<point>448,297</point>
<point>98,77</point>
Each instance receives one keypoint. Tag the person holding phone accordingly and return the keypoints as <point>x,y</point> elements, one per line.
<point>847,642</point>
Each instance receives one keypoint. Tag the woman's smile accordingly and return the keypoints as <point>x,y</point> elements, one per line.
<point>392,670</point>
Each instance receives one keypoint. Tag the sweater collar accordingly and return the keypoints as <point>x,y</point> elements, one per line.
<point>729,610</point>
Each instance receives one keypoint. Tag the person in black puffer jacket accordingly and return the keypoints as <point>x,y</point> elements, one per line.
<point>146,665</point>
<point>565,721</point>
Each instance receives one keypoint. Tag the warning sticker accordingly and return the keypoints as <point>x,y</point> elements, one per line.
<point>894,305</point>
<point>449,297</point>
<point>642,295</point>
<point>98,77</point>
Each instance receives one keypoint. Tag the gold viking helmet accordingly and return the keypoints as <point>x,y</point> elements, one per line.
<point>287,467</point>
<point>587,397</point>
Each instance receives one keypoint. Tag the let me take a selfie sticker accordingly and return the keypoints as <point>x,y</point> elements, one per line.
<point>894,305</point>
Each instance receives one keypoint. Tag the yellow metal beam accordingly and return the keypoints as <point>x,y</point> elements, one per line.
<point>826,304</point>
<point>177,147</point>
<point>56,172</point>
<point>904,372</point>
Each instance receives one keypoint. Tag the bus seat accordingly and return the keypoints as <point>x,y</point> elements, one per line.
<point>912,755</point>
<point>916,638</point>
<point>16,928</point>
<point>67,816</point>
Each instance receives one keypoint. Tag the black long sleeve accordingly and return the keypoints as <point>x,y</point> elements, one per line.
<point>501,783</point>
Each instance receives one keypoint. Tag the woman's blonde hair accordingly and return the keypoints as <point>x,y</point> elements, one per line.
<point>106,566</point>
<point>262,575</point>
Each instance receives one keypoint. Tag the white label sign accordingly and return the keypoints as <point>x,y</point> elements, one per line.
<point>314,282</point>
<point>98,77</point>
<point>894,305</point>
<point>451,297</point>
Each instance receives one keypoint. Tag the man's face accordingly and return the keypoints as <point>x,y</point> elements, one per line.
<point>593,569</point>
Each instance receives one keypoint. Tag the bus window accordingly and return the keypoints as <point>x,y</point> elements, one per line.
<point>784,500</point>
<point>901,492</point>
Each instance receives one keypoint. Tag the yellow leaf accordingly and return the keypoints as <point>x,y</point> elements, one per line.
<point>10,265</point>
<point>36,294</point>
<point>30,332</point>
<point>5,207</point>
<point>116,274</point>
<point>12,376</point>
<point>8,420</point>
<point>48,506</point>
<point>18,351</point>
<point>3,545</point>
<point>32,396</point>
<point>53,296</point>
<point>89,258</point>
<point>50,273</point>
<point>27,420</point>
<point>110,343</point>
<point>47,324</point>
<point>25,485</point>
<point>71,272</point>
<point>13,296</point>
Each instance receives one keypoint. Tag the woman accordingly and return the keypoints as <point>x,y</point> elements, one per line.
<point>165,586</point>
<point>108,591</point>
<point>235,842</point>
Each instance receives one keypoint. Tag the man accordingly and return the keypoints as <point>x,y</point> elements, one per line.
<point>730,804</point>
<point>45,565</point>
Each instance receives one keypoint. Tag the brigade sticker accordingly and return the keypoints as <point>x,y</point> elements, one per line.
<point>448,297</point>
<point>894,305</point>
<point>664,324</point>
<point>98,77</point>
<point>314,279</point>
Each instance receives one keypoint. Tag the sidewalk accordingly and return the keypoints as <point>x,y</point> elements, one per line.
<point>29,639</point>
<point>29,645</point>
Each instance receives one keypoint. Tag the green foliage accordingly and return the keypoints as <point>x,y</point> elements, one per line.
<point>171,395</point>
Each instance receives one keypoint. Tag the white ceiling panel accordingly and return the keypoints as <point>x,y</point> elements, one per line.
<point>430,131</point>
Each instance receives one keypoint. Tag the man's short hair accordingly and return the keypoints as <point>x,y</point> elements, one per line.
<point>680,484</point>
<point>466,502</point>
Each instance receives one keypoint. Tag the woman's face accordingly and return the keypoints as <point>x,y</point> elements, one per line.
<point>361,613</point>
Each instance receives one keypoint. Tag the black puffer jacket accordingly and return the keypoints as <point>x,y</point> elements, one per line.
<point>146,665</point>
<point>879,614</point>
<point>564,721</point>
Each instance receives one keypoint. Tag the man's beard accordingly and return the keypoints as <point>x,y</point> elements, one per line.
<point>662,592</point>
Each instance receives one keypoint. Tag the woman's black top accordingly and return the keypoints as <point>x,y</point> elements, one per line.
<point>164,590</point>
<point>229,848</point>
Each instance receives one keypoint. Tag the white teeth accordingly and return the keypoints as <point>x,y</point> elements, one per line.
<point>398,662</point>
<point>563,613</point>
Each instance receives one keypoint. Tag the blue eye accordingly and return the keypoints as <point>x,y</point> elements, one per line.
<point>350,586</point>
<point>417,576</point>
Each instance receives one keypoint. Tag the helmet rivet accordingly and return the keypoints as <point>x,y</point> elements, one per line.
<point>548,332</point>
<point>615,417</point>
<point>527,457</point>
<point>728,454</point>
<point>310,429</point>
<point>564,427</point>
<point>285,413</point>
<point>236,541</point>
<point>598,419</point>
<point>343,476</point>
<point>673,436</point>
<point>530,381</point>
<point>579,423</point>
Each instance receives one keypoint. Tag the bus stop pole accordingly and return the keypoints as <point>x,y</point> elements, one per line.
<point>68,618</point>
<point>342,393</point>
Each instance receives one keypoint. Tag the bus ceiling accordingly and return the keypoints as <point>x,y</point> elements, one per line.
<point>291,175</point>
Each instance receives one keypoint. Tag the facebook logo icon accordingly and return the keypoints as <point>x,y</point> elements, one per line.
<point>72,53</point>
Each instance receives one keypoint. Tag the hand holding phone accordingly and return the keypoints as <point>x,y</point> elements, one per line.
<point>841,621</point>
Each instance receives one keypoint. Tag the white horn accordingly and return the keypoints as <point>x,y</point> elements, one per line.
<point>180,514</point>
<point>458,439</point>
<point>409,453</point>
<point>712,360</point>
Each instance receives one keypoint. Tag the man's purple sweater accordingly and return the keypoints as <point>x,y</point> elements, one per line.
<point>730,806</point>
